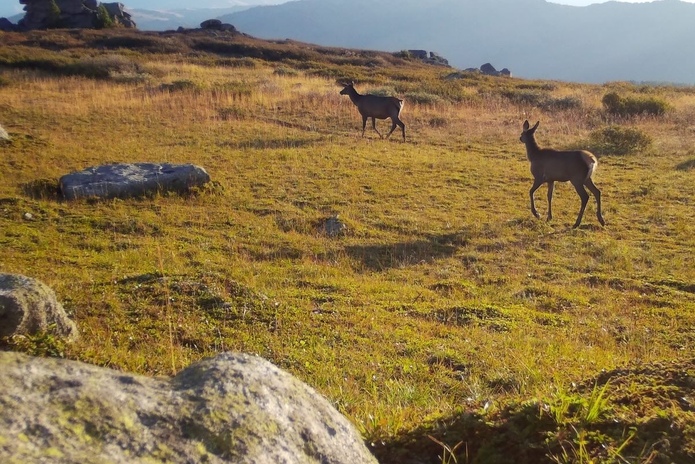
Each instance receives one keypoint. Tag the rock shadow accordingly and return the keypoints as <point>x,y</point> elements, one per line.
<point>380,257</point>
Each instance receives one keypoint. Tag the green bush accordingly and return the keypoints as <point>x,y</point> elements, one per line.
<point>616,140</point>
<point>285,71</point>
<point>422,98</point>
<point>381,91</point>
<point>181,85</point>
<point>540,99</point>
<point>633,106</point>
<point>53,17</point>
<point>103,67</point>
<point>104,19</point>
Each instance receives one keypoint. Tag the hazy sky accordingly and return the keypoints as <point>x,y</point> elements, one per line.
<point>589,2</point>
<point>9,7</point>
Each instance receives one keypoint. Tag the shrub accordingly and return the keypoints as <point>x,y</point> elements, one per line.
<point>236,62</point>
<point>616,140</point>
<point>438,121</point>
<point>53,17</point>
<point>181,86</point>
<point>382,91</point>
<point>285,71</point>
<point>633,106</point>
<point>103,67</point>
<point>104,19</point>
<point>542,100</point>
<point>422,98</point>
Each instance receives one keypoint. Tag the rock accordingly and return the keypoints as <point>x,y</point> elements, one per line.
<point>4,136</point>
<point>214,24</point>
<point>433,57</point>
<point>333,226</point>
<point>28,307</point>
<point>81,14</point>
<point>6,25</point>
<point>505,72</point>
<point>131,180</point>
<point>489,70</point>
<point>436,58</point>
<point>117,12</point>
<point>233,408</point>
<point>419,54</point>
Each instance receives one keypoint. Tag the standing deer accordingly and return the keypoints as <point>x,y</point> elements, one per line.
<point>548,165</point>
<point>376,107</point>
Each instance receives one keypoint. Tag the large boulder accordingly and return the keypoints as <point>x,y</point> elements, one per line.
<point>232,408</point>
<point>419,54</point>
<point>81,14</point>
<point>28,307</point>
<point>131,180</point>
<point>489,70</point>
<point>117,12</point>
<point>6,25</point>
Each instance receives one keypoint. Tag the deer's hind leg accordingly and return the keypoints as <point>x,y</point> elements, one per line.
<point>579,187</point>
<point>597,194</point>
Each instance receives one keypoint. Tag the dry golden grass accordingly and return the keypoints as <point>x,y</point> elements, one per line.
<point>445,296</point>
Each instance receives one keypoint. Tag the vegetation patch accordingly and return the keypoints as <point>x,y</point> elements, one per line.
<point>448,323</point>
<point>618,105</point>
<point>618,141</point>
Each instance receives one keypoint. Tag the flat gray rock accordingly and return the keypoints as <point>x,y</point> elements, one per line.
<point>132,180</point>
<point>233,408</point>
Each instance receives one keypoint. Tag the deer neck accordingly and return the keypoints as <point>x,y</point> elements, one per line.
<point>532,148</point>
<point>354,96</point>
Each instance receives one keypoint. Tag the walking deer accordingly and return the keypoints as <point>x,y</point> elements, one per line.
<point>548,165</point>
<point>376,107</point>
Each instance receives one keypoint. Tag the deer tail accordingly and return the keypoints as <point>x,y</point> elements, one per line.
<point>591,163</point>
<point>399,104</point>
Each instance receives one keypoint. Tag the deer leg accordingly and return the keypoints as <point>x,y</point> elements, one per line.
<point>551,187</point>
<point>393,127</point>
<point>579,187</point>
<point>597,194</point>
<point>536,183</point>
<point>374,127</point>
<point>364,124</point>
<point>400,123</point>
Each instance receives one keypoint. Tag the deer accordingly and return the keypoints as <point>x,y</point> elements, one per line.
<point>375,107</point>
<point>550,166</point>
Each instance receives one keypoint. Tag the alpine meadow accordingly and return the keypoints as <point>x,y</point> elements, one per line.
<point>445,321</point>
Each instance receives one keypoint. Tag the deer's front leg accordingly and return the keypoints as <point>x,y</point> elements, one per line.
<point>536,184</point>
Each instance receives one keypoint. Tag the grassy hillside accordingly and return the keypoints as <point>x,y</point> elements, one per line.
<point>447,322</point>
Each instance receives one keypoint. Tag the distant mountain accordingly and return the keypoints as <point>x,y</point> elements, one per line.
<point>533,38</point>
<point>161,20</point>
<point>160,15</point>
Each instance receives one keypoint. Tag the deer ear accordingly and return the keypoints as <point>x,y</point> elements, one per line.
<point>526,125</point>
<point>536,126</point>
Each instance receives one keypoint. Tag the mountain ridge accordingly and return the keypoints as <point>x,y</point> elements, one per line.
<point>533,38</point>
